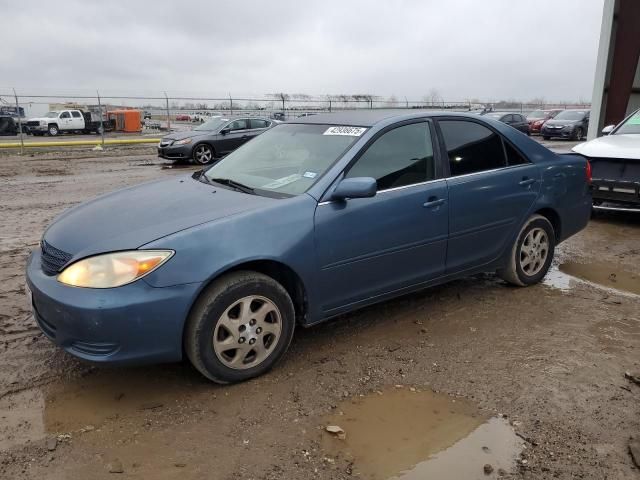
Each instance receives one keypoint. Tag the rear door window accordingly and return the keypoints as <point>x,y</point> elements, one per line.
<point>75,114</point>
<point>471,147</point>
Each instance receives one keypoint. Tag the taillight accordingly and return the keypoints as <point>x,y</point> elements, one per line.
<point>588,172</point>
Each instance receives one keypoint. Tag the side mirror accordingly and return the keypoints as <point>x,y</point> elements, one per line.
<point>224,131</point>
<point>357,187</point>
<point>608,129</point>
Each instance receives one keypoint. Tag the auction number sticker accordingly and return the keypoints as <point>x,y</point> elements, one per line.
<point>348,131</point>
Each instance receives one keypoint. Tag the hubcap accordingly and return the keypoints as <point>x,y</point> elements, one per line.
<point>247,332</point>
<point>203,154</point>
<point>534,251</point>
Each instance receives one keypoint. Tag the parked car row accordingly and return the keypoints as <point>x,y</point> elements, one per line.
<point>572,124</point>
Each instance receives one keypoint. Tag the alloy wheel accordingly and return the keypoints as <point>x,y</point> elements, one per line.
<point>534,251</point>
<point>247,332</point>
<point>202,154</point>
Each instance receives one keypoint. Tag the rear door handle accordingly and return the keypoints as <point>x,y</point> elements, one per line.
<point>433,202</point>
<point>526,181</point>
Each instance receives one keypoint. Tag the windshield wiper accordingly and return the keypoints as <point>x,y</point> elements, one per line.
<point>233,184</point>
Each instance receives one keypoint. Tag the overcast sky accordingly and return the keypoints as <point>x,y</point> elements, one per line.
<point>488,49</point>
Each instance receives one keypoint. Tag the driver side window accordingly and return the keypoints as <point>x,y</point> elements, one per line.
<point>238,125</point>
<point>400,157</point>
<point>65,115</point>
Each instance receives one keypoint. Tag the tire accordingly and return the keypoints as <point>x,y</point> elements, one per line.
<point>216,327</point>
<point>578,133</point>
<point>533,237</point>
<point>545,137</point>
<point>203,154</point>
<point>53,130</point>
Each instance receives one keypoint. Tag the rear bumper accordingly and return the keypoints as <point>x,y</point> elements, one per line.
<point>627,194</point>
<point>132,324</point>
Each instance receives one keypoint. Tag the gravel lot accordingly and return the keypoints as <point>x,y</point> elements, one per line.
<point>548,362</point>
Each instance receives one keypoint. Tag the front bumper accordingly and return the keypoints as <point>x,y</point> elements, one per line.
<point>176,152</point>
<point>133,324</point>
<point>557,132</point>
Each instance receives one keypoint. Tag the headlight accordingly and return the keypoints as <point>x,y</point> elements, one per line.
<point>184,141</point>
<point>43,122</point>
<point>113,269</point>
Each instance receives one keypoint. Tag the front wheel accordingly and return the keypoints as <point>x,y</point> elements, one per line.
<point>203,154</point>
<point>240,327</point>
<point>578,133</point>
<point>531,254</point>
<point>53,130</point>
<point>546,137</point>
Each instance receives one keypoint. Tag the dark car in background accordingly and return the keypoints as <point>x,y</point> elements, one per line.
<point>537,119</point>
<point>211,140</point>
<point>515,120</point>
<point>571,124</point>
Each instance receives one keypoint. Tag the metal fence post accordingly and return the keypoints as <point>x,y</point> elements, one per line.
<point>231,104</point>
<point>19,122</point>
<point>168,115</point>
<point>329,105</point>
<point>101,123</point>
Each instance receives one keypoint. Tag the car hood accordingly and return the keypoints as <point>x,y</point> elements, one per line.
<point>611,146</point>
<point>39,119</point>
<point>129,218</point>
<point>188,134</point>
<point>561,123</point>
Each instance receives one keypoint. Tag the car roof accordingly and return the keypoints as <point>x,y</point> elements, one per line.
<point>369,118</point>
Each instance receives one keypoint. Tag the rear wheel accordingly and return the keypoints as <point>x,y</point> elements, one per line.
<point>203,154</point>
<point>531,254</point>
<point>239,327</point>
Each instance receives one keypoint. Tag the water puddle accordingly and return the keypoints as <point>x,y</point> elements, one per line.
<point>402,434</point>
<point>606,275</point>
<point>86,403</point>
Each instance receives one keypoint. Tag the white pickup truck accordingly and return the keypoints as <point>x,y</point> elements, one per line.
<point>69,121</point>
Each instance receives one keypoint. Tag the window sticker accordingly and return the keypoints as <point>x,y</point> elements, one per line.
<point>309,174</point>
<point>348,131</point>
<point>281,182</point>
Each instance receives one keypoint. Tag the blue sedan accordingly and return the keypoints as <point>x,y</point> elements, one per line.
<point>312,219</point>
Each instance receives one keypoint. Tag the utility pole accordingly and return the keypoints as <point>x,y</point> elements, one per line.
<point>19,122</point>
<point>101,123</point>
<point>168,115</point>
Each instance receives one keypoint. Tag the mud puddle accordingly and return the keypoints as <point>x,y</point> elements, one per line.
<point>405,434</point>
<point>607,275</point>
<point>86,403</point>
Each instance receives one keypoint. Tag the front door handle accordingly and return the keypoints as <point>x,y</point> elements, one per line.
<point>433,202</point>
<point>526,182</point>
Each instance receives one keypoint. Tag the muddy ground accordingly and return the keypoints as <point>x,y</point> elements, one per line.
<point>546,362</point>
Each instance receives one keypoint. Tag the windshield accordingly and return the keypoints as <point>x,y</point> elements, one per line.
<point>537,114</point>
<point>51,115</point>
<point>211,125</point>
<point>632,125</point>
<point>285,160</point>
<point>570,115</point>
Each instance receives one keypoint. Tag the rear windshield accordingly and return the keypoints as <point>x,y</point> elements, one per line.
<point>287,159</point>
<point>537,114</point>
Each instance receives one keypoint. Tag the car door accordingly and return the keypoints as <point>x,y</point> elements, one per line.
<point>491,189</point>
<point>258,125</point>
<point>367,247</point>
<point>77,121</point>
<point>238,133</point>
<point>65,120</point>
